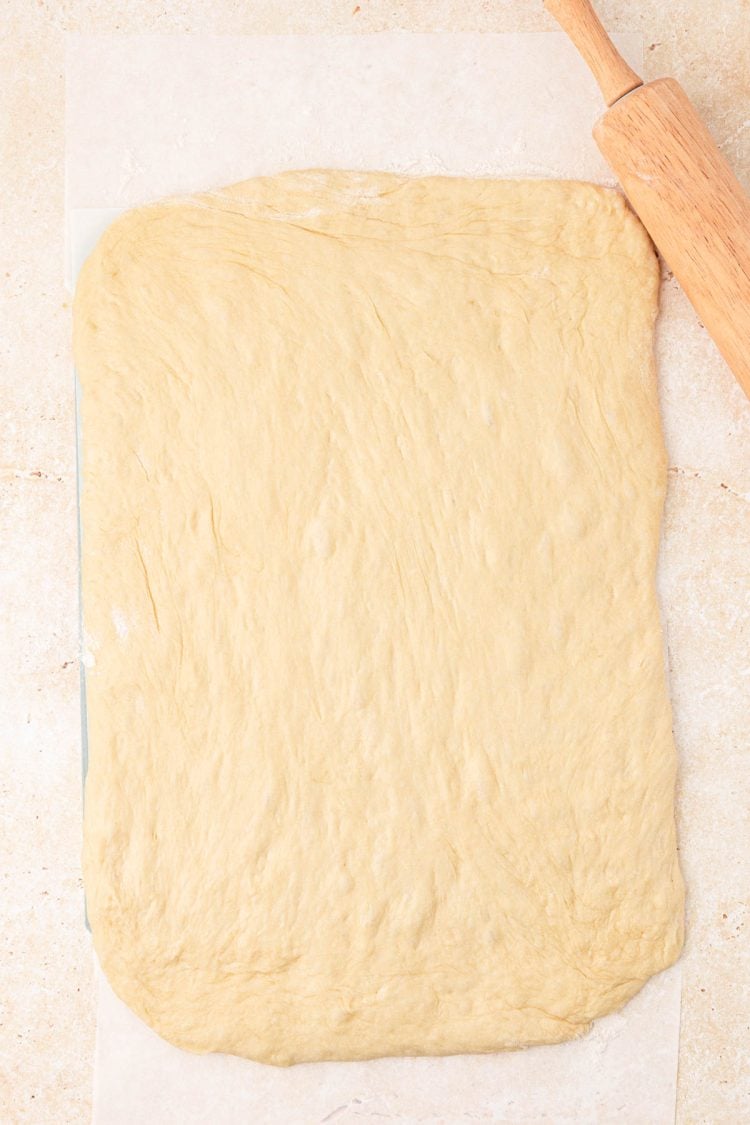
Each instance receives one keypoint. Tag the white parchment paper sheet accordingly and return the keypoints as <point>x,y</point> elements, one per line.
<point>151,115</point>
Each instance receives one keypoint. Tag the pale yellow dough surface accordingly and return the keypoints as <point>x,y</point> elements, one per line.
<point>380,746</point>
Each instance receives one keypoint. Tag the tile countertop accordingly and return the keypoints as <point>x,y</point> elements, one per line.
<point>46,986</point>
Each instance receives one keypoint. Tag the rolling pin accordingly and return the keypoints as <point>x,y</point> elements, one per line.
<point>677,182</point>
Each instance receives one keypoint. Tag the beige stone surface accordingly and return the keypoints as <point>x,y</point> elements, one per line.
<point>46,989</point>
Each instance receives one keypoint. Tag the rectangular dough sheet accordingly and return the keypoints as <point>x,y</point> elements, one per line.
<point>380,747</point>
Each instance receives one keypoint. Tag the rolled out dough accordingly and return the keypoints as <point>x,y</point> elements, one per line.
<point>380,747</point>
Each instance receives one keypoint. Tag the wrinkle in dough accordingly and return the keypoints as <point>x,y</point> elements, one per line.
<point>380,745</point>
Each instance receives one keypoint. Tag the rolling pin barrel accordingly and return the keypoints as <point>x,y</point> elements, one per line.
<point>677,181</point>
<point>691,204</point>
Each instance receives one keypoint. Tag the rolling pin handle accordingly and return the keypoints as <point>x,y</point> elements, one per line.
<point>581,23</point>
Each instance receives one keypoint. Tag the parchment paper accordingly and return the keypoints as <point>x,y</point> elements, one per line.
<point>152,115</point>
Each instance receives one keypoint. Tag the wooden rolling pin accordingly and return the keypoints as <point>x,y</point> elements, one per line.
<point>677,181</point>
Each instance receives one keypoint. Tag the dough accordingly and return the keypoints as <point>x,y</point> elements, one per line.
<point>380,746</point>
